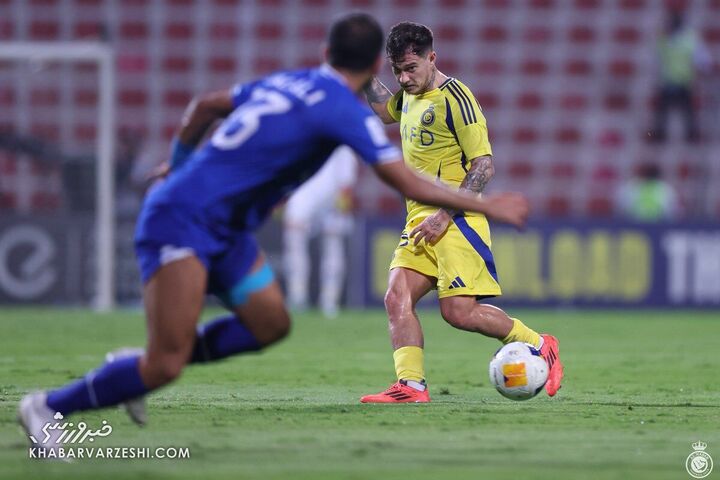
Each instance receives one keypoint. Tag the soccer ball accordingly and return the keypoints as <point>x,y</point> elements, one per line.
<point>518,371</point>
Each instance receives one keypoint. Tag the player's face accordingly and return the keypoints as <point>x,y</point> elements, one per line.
<point>415,73</point>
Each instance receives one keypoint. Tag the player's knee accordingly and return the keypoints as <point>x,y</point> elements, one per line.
<point>165,369</point>
<point>456,314</point>
<point>274,329</point>
<point>396,302</point>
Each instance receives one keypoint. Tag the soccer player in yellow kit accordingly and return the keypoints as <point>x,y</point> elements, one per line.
<point>444,136</point>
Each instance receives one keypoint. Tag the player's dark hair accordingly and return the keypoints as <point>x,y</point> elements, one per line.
<point>408,36</point>
<point>354,42</point>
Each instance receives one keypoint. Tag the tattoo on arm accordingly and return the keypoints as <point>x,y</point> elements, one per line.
<point>477,177</point>
<point>376,92</point>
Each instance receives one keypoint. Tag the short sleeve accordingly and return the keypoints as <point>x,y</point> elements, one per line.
<point>469,121</point>
<point>473,138</point>
<point>394,105</point>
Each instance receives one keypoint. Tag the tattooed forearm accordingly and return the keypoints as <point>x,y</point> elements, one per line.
<point>477,177</point>
<point>480,173</point>
<point>376,92</point>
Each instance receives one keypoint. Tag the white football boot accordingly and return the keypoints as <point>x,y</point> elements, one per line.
<point>37,419</point>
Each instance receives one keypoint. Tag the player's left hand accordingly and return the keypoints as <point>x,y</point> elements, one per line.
<point>432,228</point>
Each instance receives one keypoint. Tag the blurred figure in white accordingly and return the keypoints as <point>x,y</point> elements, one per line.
<point>647,197</point>
<point>323,204</point>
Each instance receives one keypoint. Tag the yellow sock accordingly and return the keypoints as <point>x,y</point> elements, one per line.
<point>409,363</point>
<point>521,333</point>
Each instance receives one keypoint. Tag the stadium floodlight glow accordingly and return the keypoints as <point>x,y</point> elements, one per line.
<point>102,55</point>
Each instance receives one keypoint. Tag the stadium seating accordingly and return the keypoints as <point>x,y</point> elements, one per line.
<point>565,86</point>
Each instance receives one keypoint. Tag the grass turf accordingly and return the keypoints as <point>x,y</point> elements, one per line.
<point>640,387</point>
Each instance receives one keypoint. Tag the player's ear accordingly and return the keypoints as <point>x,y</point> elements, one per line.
<point>432,56</point>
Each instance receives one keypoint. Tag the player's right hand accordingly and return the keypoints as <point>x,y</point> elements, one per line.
<point>507,207</point>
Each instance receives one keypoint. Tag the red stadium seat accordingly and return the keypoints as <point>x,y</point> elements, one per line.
<point>263,65</point>
<point>454,3</point>
<point>7,96</point>
<point>611,138</point>
<point>604,173</point>
<point>224,31</point>
<point>132,97</point>
<point>529,101</point>
<point>227,3</point>
<point>581,34</point>
<point>406,3</point>
<point>85,97</point>
<point>315,3</point>
<point>493,33</point>
<point>135,30</point>
<point>44,30</point>
<point>524,135</point>
<point>487,100</point>
<point>537,34</point>
<point>568,135</point>
<point>627,35</point>
<point>46,97</point>
<point>448,64</point>
<point>616,101</point>
<point>521,170</point>
<point>177,64</point>
<point>45,201</point>
<point>88,29</point>
<point>542,4</point>
<point>85,132</point>
<point>712,34</point>
<point>177,98</point>
<point>587,4</point>
<point>497,4</point>
<point>558,206</point>
<point>222,64</point>
<point>49,131</point>
<point>269,31</point>
<point>179,31</point>
<point>622,68</point>
<point>632,4</point>
<point>489,67</point>
<point>600,206</point>
<point>573,101</point>
<point>362,3</point>
<point>7,29</point>
<point>315,31</point>
<point>534,66</point>
<point>449,33</point>
<point>563,170</point>
<point>578,67</point>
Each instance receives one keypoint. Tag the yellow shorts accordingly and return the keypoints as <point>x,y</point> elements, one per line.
<point>461,260</point>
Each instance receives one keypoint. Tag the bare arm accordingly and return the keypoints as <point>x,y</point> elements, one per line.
<point>377,96</point>
<point>200,115</point>
<point>477,177</point>
<point>509,208</point>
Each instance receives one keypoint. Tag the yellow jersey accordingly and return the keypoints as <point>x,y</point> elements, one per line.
<point>441,130</point>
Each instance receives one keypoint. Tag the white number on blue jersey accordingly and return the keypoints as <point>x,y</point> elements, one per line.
<point>245,120</point>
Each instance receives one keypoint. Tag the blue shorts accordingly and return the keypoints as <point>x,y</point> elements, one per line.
<point>165,234</point>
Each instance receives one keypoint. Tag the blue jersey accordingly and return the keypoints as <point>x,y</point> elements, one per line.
<point>283,128</point>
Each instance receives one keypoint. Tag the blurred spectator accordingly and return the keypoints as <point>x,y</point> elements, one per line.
<point>681,55</point>
<point>647,197</point>
<point>322,204</point>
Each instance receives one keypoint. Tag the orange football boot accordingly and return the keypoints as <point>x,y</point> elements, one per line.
<point>398,392</point>
<point>550,351</point>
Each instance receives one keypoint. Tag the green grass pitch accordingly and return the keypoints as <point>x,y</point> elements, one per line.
<point>639,389</point>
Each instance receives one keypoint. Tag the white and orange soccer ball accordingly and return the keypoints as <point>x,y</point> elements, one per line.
<point>518,371</point>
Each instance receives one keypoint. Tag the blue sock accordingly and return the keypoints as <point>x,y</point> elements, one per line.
<point>110,384</point>
<point>221,338</point>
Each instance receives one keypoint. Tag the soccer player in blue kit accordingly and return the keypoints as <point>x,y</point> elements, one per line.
<point>194,234</point>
